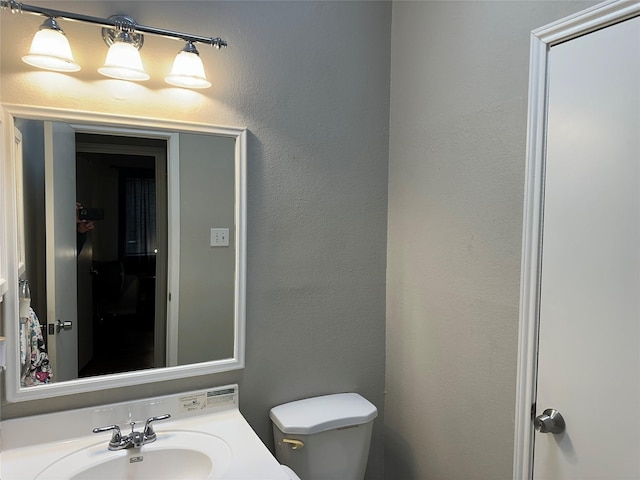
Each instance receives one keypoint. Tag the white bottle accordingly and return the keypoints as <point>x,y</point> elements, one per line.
<point>24,300</point>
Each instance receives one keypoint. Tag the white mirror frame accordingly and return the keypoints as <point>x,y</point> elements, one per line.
<point>14,391</point>
<point>542,39</point>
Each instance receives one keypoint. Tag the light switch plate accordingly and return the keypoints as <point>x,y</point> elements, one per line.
<point>219,237</point>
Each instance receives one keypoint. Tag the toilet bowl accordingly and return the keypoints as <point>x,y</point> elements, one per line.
<point>291,473</point>
<point>326,437</point>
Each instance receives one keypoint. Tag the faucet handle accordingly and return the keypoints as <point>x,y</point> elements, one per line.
<point>116,436</point>
<point>149,434</point>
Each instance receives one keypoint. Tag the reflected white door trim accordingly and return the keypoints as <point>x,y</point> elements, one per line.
<point>172,298</point>
<point>542,40</point>
<point>173,245</point>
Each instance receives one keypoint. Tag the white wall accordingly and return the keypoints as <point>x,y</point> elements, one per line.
<point>310,80</point>
<point>456,177</point>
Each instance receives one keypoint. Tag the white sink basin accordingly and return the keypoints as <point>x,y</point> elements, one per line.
<point>174,455</point>
<point>159,465</point>
<point>205,438</point>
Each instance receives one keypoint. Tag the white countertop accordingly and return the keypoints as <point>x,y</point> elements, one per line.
<point>31,444</point>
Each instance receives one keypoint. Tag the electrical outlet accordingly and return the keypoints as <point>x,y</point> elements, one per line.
<point>219,237</point>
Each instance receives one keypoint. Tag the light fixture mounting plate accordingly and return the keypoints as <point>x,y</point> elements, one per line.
<point>125,23</point>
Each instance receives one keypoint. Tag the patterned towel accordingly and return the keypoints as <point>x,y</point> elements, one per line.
<point>36,368</point>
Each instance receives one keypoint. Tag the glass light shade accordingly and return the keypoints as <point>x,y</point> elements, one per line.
<point>188,72</point>
<point>50,50</point>
<point>123,62</point>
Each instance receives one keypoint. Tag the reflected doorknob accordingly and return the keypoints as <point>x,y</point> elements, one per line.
<point>549,422</point>
<point>66,325</point>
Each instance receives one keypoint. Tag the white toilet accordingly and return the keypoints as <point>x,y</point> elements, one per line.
<point>324,438</point>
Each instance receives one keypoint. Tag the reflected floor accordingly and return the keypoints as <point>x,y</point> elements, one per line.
<point>121,345</point>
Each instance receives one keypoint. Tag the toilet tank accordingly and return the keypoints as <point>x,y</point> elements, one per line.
<point>324,438</point>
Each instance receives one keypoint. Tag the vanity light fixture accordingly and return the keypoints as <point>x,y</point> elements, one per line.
<point>188,70</point>
<point>123,58</point>
<point>50,49</point>
<point>124,37</point>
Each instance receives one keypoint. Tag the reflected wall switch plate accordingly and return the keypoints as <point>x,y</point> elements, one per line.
<point>219,237</point>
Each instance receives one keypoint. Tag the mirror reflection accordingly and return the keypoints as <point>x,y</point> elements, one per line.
<point>130,254</point>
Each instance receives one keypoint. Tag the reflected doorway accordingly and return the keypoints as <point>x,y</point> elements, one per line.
<point>122,191</point>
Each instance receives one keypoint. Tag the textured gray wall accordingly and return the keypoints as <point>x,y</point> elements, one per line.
<point>457,152</point>
<point>310,80</point>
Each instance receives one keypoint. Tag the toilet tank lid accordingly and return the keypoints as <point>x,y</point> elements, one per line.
<point>318,414</point>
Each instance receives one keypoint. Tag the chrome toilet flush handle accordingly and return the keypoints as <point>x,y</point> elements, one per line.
<point>295,444</point>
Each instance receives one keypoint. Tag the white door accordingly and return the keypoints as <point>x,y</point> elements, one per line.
<point>589,338</point>
<point>60,193</point>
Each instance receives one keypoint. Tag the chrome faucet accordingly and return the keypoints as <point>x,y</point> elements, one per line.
<point>134,439</point>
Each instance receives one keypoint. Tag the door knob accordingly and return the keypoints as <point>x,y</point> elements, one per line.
<point>66,325</point>
<point>549,422</point>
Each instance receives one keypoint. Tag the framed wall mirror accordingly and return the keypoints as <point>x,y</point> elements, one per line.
<point>131,234</point>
